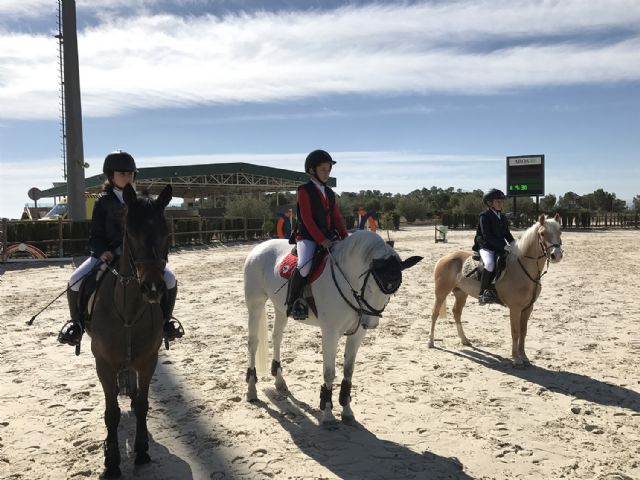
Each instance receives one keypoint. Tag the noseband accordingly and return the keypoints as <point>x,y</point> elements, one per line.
<point>386,285</point>
<point>135,263</point>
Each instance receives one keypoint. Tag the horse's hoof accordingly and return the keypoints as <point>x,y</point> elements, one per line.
<point>252,394</point>
<point>348,419</point>
<point>330,424</point>
<point>111,472</point>
<point>142,458</point>
<point>281,387</point>
<point>466,342</point>
<point>430,344</point>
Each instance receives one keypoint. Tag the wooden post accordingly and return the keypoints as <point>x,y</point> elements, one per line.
<point>172,227</point>
<point>246,236</point>
<point>200,230</point>
<point>60,242</point>
<point>5,224</point>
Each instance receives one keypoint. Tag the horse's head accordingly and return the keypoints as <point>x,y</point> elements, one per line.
<point>147,240</point>
<point>387,271</point>
<point>549,233</point>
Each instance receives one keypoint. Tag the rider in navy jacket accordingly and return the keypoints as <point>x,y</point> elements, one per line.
<point>105,238</point>
<point>492,236</point>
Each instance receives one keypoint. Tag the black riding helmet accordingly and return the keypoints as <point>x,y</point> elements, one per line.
<point>118,161</point>
<point>493,194</point>
<point>315,158</point>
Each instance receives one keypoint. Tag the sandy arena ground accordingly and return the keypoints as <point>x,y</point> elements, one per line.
<point>448,412</point>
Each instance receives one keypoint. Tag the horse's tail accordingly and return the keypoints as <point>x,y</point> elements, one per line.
<point>263,343</point>
<point>443,309</point>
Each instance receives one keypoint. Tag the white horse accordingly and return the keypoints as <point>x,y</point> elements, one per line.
<point>351,293</point>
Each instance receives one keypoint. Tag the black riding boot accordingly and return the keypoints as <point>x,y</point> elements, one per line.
<point>172,327</point>
<point>72,331</point>
<point>487,293</point>
<point>296,305</point>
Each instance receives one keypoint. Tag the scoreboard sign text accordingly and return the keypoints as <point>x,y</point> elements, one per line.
<point>525,175</point>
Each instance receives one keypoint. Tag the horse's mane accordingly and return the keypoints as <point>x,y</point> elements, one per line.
<point>365,244</point>
<point>530,237</point>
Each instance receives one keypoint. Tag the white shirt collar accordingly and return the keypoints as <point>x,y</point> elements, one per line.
<point>119,194</point>
<point>318,184</point>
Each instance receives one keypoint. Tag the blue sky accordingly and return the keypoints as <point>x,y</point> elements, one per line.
<point>404,95</point>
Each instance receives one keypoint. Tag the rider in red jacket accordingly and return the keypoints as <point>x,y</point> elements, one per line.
<point>319,225</point>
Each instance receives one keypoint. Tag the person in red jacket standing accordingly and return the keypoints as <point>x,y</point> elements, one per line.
<point>319,225</point>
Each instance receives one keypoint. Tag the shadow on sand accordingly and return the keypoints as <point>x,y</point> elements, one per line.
<point>168,405</point>
<point>566,383</point>
<point>353,452</point>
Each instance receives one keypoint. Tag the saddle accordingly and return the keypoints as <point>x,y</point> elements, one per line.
<point>473,267</point>
<point>289,263</point>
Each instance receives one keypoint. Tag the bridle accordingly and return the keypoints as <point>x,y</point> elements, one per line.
<point>134,263</point>
<point>363,307</point>
<point>546,250</point>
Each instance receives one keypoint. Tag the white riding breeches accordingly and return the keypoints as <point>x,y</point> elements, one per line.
<point>489,259</point>
<point>88,265</point>
<point>306,250</point>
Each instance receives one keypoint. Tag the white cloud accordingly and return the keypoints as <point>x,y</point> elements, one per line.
<point>153,61</point>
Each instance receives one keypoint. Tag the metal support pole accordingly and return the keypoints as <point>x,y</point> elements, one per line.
<point>73,117</point>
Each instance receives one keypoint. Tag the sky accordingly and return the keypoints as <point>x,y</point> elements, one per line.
<point>404,95</point>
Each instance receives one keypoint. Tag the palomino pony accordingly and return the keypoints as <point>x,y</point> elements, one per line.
<point>518,286</point>
<point>126,324</point>
<point>351,293</point>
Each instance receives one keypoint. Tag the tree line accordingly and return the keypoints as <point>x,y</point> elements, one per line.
<point>434,202</point>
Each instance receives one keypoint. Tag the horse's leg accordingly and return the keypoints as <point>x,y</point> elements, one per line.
<point>107,376</point>
<point>351,350</point>
<point>439,310</point>
<point>524,320</point>
<point>141,444</point>
<point>257,335</point>
<point>276,367</point>
<point>514,317</point>
<point>329,348</point>
<point>461,300</point>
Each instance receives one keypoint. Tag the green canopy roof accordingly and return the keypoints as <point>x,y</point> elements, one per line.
<point>205,180</point>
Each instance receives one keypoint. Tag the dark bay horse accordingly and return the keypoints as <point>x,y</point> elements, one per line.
<point>126,324</point>
<point>518,287</point>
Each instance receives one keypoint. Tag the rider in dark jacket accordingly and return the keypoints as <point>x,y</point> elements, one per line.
<point>492,236</point>
<point>105,238</point>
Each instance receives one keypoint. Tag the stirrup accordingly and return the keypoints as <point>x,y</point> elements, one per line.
<point>488,297</point>
<point>299,309</point>
<point>71,334</point>
<point>173,329</point>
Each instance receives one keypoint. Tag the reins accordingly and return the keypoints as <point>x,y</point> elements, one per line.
<point>545,254</point>
<point>363,307</point>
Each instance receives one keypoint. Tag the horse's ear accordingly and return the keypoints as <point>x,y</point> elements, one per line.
<point>410,262</point>
<point>129,194</point>
<point>557,218</point>
<point>165,197</point>
<point>541,219</point>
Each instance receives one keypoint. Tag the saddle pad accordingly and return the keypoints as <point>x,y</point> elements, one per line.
<point>469,266</point>
<point>285,269</point>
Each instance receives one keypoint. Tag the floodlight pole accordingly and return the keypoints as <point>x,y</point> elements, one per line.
<point>73,114</point>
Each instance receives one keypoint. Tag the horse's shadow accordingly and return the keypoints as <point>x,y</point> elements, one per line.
<point>567,383</point>
<point>163,465</point>
<point>353,452</point>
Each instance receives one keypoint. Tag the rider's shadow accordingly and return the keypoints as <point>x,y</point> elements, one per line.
<point>164,465</point>
<point>566,383</point>
<point>353,452</point>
